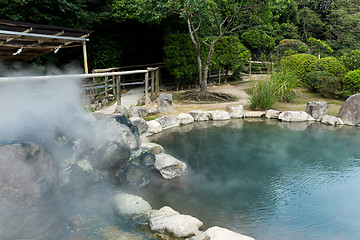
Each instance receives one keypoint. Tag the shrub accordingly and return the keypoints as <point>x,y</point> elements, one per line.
<point>263,94</point>
<point>328,86</point>
<point>311,79</point>
<point>329,64</point>
<point>257,41</point>
<point>180,57</point>
<point>351,82</point>
<point>351,60</point>
<point>299,63</point>
<point>288,47</point>
<point>285,82</point>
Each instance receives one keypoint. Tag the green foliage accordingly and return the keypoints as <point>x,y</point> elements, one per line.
<point>351,60</point>
<point>299,63</point>
<point>179,56</point>
<point>258,41</point>
<point>285,31</point>
<point>311,79</point>
<point>329,64</point>
<point>263,94</point>
<point>329,86</point>
<point>351,82</point>
<point>289,47</point>
<point>285,81</point>
<point>318,46</point>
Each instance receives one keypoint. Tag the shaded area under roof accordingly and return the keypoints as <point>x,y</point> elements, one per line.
<point>21,42</point>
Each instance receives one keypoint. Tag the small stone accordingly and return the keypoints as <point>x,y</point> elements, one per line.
<point>235,111</point>
<point>219,115</point>
<point>154,126</point>
<point>139,111</point>
<point>154,148</point>
<point>185,118</point>
<point>199,115</point>
<point>254,114</point>
<point>272,114</point>
<point>140,124</point>
<point>153,111</point>
<point>169,167</point>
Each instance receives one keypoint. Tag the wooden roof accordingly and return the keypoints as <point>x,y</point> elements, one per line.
<point>22,42</point>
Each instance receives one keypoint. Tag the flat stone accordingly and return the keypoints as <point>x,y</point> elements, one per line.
<point>254,114</point>
<point>350,111</point>
<point>218,233</point>
<point>154,148</point>
<point>169,167</point>
<point>199,115</point>
<point>168,121</point>
<point>219,115</point>
<point>185,118</point>
<point>129,206</point>
<point>331,120</point>
<point>316,109</point>
<point>272,114</point>
<point>167,220</point>
<point>154,126</point>
<point>235,111</point>
<point>295,116</point>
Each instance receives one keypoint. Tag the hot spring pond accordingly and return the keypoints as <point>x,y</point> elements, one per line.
<point>267,179</point>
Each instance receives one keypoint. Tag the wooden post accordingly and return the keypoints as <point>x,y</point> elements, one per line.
<point>152,84</point>
<point>93,91</point>
<point>157,81</point>
<point>113,83</point>
<point>106,86</point>
<point>146,88</point>
<point>118,90</point>
<point>86,69</point>
<point>250,68</point>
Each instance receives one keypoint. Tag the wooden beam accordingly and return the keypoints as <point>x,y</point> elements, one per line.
<point>10,39</point>
<point>86,69</point>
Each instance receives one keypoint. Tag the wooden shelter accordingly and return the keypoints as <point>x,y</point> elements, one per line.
<point>21,42</point>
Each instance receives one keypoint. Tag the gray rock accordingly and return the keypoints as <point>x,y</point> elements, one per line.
<point>272,114</point>
<point>139,111</point>
<point>154,148</point>
<point>133,176</point>
<point>164,102</point>
<point>295,116</point>
<point>122,110</point>
<point>316,109</point>
<point>235,111</point>
<point>168,121</point>
<point>167,220</point>
<point>111,154</point>
<point>30,194</point>
<point>153,111</point>
<point>140,124</point>
<point>199,115</point>
<point>219,115</point>
<point>350,111</point>
<point>130,206</point>
<point>218,233</point>
<point>185,118</point>
<point>254,114</point>
<point>169,167</point>
<point>331,120</point>
<point>154,126</point>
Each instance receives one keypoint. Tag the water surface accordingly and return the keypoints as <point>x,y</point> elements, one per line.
<point>266,179</point>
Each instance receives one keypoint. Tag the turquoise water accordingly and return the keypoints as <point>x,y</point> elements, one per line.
<point>266,179</point>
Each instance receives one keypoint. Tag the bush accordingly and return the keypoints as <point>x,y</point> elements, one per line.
<point>180,57</point>
<point>311,79</point>
<point>299,63</point>
<point>351,60</point>
<point>329,64</point>
<point>285,82</point>
<point>257,41</point>
<point>351,82</point>
<point>328,86</point>
<point>263,94</point>
<point>289,47</point>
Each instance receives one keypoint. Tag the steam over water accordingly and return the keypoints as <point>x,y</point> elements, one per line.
<point>268,182</point>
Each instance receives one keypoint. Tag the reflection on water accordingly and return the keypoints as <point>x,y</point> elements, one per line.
<point>267,179</point>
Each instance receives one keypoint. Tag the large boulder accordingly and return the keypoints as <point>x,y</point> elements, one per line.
<point>199,115</point>
<point>29,190</point>
<point>164,102</point>
<point>295,116</point>
<point>133,176</point>
<point>185,118</point>
<point>168,121</point>
<point>168,221</point>
<point>350,111</point>
<point>235,111</point>
<point>218,233</point>
<point>169,167</point>
<point>316,109</point>
<point>219,115</point>
<point>130,206</point>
